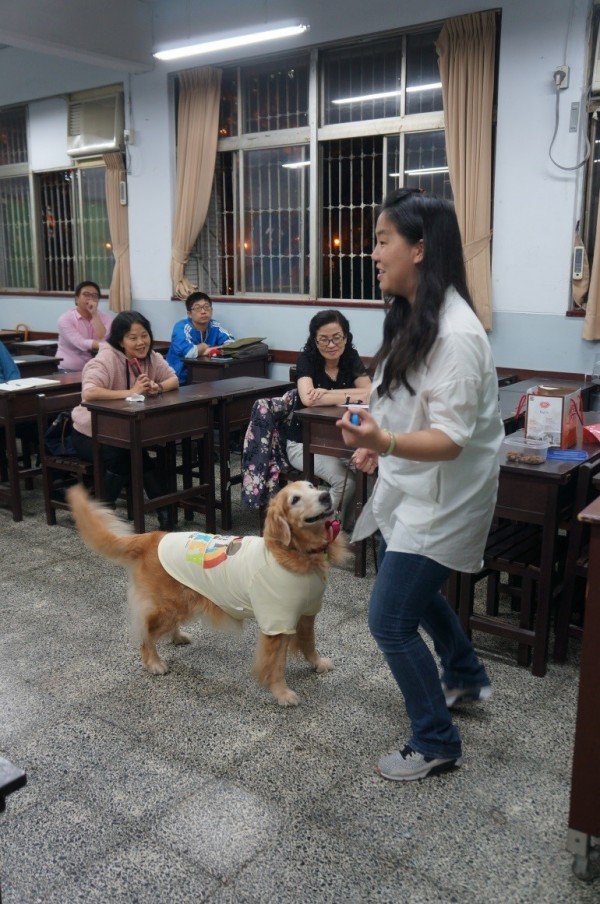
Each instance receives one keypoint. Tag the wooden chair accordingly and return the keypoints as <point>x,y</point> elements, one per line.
<point>576,563</point>
<point>514,549</point>
<point>78,468</point>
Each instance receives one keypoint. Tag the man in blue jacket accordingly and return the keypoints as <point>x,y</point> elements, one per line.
<point>8,368</point>
<point>195,335</point>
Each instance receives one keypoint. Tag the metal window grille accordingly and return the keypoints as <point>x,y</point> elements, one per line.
<point>75,238</point>
<point>16,244</point>
<point>350,73</point>
<point>275,225</point>
<point>213,259</point>
<point>352,172</point>
<point>422,73</point>
<point>275,95</point>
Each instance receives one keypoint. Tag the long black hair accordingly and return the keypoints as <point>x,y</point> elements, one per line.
<point>311,349</point>
<point>409,330</point>
<point>121,326</point>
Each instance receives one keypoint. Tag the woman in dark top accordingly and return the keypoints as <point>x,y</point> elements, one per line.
<point>329,372</point>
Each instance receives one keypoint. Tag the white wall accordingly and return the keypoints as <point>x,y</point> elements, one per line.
<point>536,204</point>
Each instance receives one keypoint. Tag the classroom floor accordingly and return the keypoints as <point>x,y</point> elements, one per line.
<point>196,787</point>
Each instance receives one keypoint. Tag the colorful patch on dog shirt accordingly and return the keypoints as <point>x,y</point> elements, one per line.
<point>210,550</point>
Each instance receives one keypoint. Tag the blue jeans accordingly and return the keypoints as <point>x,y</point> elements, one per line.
<point>407,594</point>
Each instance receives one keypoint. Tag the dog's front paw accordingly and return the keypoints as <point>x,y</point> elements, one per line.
<point>323,664</point>
<point>158,667</point>
<point>287,698</point>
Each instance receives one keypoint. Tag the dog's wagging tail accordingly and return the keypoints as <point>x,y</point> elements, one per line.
<point>278,579</point>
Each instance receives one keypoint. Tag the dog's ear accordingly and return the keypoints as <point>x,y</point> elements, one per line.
<point>280,529</point>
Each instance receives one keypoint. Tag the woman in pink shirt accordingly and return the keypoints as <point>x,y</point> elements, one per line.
<point>81,329</point>
<point>124,365</point>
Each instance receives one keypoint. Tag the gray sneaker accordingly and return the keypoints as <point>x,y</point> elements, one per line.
<point>457,695</point>
<point>406,765</point>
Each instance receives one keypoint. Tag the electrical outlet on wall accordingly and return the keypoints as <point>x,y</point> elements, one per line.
<point>561,77</point>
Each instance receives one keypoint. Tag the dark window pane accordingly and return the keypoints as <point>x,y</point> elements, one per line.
<point>351,186</point>
<point>351,73</point>
<point>229,104</point>
<point>422,72</point>
<point>58,241</point>
<point>275,95</point>
<point>276,222</point>
<point>425,163</point>
<point>13,136</point>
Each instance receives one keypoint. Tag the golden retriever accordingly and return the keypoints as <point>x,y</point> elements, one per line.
<point>281,582</point>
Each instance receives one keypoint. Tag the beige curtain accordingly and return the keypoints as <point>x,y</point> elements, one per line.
<point>120,286</point>
<point>466,49</point>
<point>591,324</point>
<point>197,134</point>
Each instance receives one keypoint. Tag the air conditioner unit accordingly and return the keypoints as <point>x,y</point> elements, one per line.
<point>96,124</point>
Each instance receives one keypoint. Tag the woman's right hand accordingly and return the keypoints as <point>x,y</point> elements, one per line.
<point>366,461</point>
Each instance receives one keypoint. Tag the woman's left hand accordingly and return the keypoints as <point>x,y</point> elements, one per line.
<point>154,389</point>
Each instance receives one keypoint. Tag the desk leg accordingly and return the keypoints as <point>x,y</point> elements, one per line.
<point>137,480</point>
<point>12,456</point>
<point>546,582</point>
<point>225,467</point>
<point>360,497</point>
<point>208,465</point>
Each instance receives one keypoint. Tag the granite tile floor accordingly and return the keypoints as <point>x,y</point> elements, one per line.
<point>196,787</point>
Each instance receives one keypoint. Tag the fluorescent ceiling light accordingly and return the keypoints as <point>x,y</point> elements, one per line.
<point>434,86</point>
<point>427,171</point>
<point>256,37</point>
<point>365,97</point>
<point>296,165</point>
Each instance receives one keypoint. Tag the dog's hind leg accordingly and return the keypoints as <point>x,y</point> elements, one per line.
<point>271,657</point>
<point>305,642</point>
<point>180,637</point>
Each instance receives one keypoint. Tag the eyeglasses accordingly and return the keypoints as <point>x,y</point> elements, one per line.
<point>93,295</point>
<point>200,307</point>
<point>336,339</point>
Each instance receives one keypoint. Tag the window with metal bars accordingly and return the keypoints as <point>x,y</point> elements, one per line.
<point>378,126</point>
<point>54,225</point>
<point>75,238</point>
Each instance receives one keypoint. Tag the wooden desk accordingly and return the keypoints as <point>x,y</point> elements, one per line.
<point>234,399</point>
<point>36,365</point>
<point>320,436</point>
<point>161,346</point>
<point>9,336</point>
<point>584,814</point>
<point>184,414</point>
<point>211,369</point>
<point>540,494</point>
<point>19,406</point>
<point>35,347</point>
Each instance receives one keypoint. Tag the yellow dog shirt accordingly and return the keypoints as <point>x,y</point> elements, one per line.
<point>243,578</point>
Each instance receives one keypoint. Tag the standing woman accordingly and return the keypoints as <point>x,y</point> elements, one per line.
<point>329,372</point>
<point>125,365</point>
<point>434,432</point>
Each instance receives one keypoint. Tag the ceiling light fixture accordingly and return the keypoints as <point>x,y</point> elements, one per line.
<point>426,171</point>
<point>178,53</point>
<point>296,165</point>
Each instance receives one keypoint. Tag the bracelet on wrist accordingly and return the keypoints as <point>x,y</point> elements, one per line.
<point>347,402</point>
<point>391,446</point>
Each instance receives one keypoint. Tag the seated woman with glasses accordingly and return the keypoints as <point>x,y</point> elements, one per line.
<point>329,372</point>
<point>82,329</point>
<point>196,335</point>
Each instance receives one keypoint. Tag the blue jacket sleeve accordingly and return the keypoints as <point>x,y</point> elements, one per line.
<point>8,368</point>
<point>217,335</point>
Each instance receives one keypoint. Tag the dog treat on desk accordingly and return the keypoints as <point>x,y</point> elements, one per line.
<point>525,458</point>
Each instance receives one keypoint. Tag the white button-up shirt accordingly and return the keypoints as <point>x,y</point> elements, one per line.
<point>442,510</point>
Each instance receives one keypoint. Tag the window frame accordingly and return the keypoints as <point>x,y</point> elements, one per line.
<point>314,135</point>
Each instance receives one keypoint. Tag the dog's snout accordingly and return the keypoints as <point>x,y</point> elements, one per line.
<point>325,498</point>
